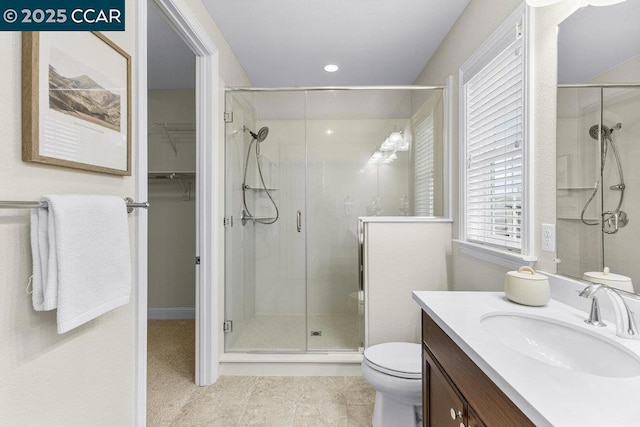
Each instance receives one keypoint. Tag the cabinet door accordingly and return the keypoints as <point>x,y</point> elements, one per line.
<point>443,407</point>
<point>472,419</point>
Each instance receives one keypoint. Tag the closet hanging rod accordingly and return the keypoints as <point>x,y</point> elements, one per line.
<point>29,205</point>
<point>172,175</point>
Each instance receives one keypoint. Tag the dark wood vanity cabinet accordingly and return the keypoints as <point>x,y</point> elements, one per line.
<point>455,391</point>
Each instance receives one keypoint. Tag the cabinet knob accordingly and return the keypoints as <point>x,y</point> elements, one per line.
<point>461,424</point>
<point>455,414</point>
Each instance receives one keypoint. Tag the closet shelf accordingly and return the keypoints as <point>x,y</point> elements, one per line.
<point>173,128</point>
<point>172,175</point>
<point>180,177</point>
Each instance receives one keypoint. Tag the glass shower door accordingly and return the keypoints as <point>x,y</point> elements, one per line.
<point>265,294</point>
<point>329,157</point>
<point>344,129</point>
<point>621,180</point>
<point>596,177</point>
<point>333,300</point>
<point>578,194</point>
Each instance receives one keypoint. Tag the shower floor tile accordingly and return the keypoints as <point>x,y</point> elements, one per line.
<point>288,333</point>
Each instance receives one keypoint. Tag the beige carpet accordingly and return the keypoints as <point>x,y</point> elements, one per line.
<point>173,399</point>
<point>170,369</point>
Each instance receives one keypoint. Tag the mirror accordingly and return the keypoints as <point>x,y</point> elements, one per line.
<point>598,142</point>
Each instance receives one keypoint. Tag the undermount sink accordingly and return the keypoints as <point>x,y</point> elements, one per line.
<point>562,345</point>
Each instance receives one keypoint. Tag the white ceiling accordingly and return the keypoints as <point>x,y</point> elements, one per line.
<point>282,43</point>
<point>596,39</point>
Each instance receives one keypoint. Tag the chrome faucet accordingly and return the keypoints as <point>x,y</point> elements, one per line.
<point>625,323</point>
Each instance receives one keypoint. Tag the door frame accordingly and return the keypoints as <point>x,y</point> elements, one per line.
<point>208,205</point>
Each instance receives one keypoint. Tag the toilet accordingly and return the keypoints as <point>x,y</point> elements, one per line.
<point>394,369</point>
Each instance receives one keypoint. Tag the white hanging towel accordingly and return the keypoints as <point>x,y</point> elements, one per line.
<point>81,259</point>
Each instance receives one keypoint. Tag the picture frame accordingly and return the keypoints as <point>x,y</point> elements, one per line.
<point>76,102</point>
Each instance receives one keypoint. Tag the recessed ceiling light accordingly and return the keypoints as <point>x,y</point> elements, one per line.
<point>329,131</point>
<point>331,68</point>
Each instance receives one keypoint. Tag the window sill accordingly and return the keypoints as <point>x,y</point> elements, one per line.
<point>495,256</point>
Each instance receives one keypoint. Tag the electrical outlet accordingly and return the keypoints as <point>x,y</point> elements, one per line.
<point>549,237</point>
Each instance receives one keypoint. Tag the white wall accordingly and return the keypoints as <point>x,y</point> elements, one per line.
<point>85,376</point>
<point>400,258</point>
<point>172,227</point>
<point>475,25</point>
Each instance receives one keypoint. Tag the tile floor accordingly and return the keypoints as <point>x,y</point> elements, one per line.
<point>281,401</point>
<point>174,400</point>
<point>288,333</point>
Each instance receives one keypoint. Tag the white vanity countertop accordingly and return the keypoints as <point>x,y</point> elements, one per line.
<point>548,395</point>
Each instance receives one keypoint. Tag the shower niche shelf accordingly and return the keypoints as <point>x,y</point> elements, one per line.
<point>571,218</point>
<point>577,188</point>
<point>249,187</point>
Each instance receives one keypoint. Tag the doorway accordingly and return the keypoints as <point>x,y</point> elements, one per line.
<point>171,105</point>
<point>207,149</point>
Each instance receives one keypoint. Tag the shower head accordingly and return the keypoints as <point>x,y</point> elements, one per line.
<point>605,132</point>
<point>596,132</point>
<point>260,136</point>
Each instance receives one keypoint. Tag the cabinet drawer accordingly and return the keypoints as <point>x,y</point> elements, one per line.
<point>490,404</point>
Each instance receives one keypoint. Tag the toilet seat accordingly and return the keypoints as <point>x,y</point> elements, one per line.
<point>398,359</point>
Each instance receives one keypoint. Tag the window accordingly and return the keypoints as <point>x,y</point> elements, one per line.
<point>423,168</point>
<point>493,138</point>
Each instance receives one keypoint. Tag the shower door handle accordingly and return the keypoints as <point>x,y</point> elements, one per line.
<point>299,221</point>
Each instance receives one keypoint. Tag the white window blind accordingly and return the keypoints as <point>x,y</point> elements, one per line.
<point>424,167</point>
<point>494,115</point>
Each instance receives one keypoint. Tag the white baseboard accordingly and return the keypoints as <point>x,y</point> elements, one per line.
<point>171,313</point>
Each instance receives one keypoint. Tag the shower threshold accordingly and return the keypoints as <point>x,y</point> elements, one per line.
<point>345,363</point>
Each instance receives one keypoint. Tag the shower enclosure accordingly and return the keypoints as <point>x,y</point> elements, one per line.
<point>598,150</point>
<point>301,166</point>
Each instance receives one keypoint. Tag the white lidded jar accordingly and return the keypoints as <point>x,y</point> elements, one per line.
<point>606,277</point>
<point>527,287</point>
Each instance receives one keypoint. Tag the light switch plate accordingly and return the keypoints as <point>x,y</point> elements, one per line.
<point>549,237</point>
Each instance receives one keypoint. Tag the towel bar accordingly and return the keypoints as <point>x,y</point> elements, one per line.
<point>28,205</point>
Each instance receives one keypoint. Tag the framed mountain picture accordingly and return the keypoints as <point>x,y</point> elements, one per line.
<point>76,102</point>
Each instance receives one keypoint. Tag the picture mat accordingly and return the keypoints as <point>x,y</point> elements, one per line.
<point>71,138</point>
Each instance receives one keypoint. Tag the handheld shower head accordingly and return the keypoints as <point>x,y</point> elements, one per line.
<point>604,131</point>
<point>262,134</point>
<point>597,131</point>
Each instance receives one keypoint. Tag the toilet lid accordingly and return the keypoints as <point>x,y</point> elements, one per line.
<point>400,359</point>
